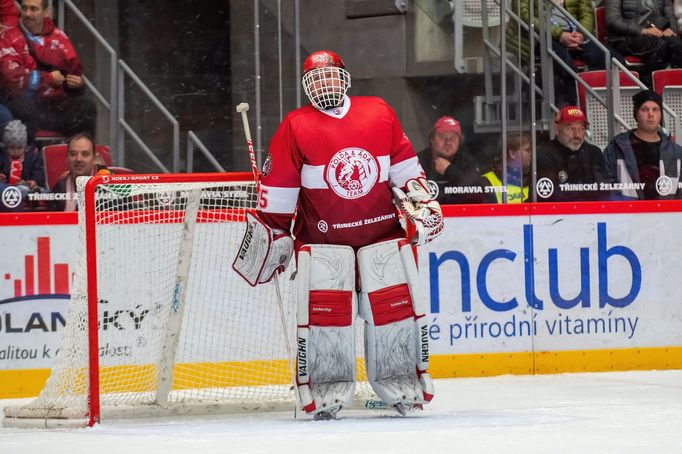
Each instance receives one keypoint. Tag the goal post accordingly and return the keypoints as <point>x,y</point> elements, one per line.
<point>158,322</point>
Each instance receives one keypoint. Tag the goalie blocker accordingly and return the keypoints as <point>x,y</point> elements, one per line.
<point>396,331</point>
<point>263,252</point>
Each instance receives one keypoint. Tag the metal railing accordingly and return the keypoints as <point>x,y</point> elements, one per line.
<point>120,72</point>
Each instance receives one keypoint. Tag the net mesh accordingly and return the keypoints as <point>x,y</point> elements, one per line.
<point>228,351</point>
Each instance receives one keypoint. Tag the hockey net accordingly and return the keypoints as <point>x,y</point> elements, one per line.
<point>158,321</point>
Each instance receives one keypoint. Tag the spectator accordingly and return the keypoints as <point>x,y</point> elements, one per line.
<point>42,75</point>
<point>448,165</point>
<point>20,165</point>
<point>644,162</point>
<point>519,158</point>
<point>568,42</point>
<point>81,160</point>
<point>9,16</point>
<point>574,167</point>
<point>647,29</point>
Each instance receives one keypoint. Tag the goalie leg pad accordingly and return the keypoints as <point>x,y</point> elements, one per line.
<point>326,309</point>
<point>396,331</point>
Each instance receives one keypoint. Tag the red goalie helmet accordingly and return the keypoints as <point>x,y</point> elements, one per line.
<point>322,59</point>
<point>325,79</point>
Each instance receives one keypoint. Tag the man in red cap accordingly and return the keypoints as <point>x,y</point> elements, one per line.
<point>568,168</point>
<point>338,163</point>
<point>453,173</point>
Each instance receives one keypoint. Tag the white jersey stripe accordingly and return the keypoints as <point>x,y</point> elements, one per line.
<point>384,167</point>
<point>312,177</point>
<point>279,200</point>
<point>403,171</point>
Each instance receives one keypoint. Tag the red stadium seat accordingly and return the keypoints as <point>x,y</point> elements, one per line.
<point>601,32</point>
<point>55,161</point>
<point>666,77</point>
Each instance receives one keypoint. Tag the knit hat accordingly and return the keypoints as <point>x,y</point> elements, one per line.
<point>15,134</point>
<point>643,96</point>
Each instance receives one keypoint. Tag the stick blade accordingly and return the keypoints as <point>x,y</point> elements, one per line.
<point>242,107</point>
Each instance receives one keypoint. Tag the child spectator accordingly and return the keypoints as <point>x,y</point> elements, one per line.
<point>21,166</point>
<point>518,172</point>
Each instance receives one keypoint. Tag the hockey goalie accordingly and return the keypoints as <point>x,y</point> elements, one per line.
<point>342,164</point>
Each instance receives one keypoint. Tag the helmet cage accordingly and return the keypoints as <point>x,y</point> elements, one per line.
<point>326,87</point>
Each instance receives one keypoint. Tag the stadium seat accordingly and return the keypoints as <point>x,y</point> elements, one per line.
<point>600,28</point>
<point>668,84</point>
<point>55,161</point>
<point>44,137</point>
<point>595,112</point>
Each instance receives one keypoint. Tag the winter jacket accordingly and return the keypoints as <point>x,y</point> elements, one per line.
<point>26,61</point>
<point>621,165</point>
<point>581,172</point>
<point>32,168</point>
<point>627,18</point>
<point>461,181</point>
<point>581,10</point>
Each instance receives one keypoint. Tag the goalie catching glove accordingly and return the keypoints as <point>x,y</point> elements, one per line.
<point>263,252</point>
<point>415,201</point>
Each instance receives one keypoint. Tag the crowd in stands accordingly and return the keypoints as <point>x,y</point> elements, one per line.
<point>42,88</point>
<point>42,93</point>
<point>643,163</point>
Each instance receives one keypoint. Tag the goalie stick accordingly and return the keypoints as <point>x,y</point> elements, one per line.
<point>242,108</point>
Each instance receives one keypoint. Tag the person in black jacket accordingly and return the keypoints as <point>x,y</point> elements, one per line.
<point>568,168</point>
<point>453,173</point>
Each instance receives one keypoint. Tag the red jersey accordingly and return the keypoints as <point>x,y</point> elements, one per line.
<point>335,169</point>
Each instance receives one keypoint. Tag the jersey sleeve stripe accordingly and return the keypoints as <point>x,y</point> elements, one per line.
<point>312,177</point>
<point>279,200</point>
<point>384,167</point>
<point>401,172</point>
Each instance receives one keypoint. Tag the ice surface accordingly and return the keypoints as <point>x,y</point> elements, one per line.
<point>615,412</point>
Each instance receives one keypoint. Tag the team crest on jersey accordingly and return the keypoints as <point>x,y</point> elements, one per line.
<point>352,172</point>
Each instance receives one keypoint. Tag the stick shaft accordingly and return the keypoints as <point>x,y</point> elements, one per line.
<point>249,144</point>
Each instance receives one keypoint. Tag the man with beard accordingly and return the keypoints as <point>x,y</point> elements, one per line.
<point>568,168</point>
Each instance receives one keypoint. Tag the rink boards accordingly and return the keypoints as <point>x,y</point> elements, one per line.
<point>511,289</point>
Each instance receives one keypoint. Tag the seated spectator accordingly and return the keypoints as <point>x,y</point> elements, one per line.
<point>643,161</point>
<point>519,158</point>
<point>449,166</point>
<point>20,166</point>
<point>9,16</point>
<point>42,75</point>
<point>81,159</point>
<point>574,167</point>
<point>647,29</point>
<point>568,42</point>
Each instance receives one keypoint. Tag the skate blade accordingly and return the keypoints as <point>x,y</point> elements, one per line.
<point>325,415</point>
<point>404,408</point>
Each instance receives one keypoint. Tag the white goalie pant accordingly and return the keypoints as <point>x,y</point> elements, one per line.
<point>396,329</point>
<point>326,309</point>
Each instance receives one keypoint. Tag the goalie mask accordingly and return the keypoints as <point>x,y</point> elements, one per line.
<point>325,81</point>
